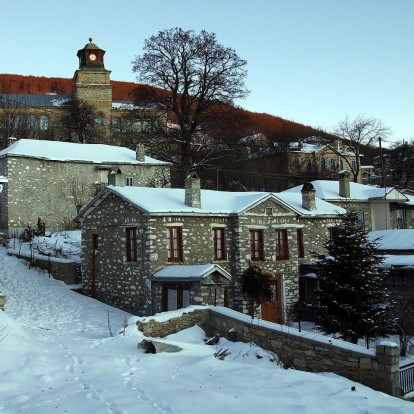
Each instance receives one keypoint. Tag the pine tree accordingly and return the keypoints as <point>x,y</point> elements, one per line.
<point>353,301</point>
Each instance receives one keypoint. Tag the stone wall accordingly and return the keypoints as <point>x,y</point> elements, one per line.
<point>43,188</point>
<point>127,284</point>
<point>377,369</point>
<point>68,271</point>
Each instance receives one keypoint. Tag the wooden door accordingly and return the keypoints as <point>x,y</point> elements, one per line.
<point>272,310</point>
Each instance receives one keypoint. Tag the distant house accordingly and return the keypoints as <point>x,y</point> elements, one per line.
<point>312,157</point>
<point>52,180</point>
<point>397,246</point>
<point>379,208</point>
<point>156,249</point>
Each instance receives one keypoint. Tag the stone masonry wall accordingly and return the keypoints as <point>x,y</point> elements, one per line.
<point>127,284</point>
<point>42,188</point>
<point>378,370</point>
<point>106,274</point>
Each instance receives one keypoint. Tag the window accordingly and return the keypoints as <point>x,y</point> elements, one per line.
<point>301,250</point>
<point>332,164</point>
<point>175,244</point>
<point>353,165</point>
<point>176,297</point>
<point>116,123</point>
<point>219,244</point>
<point>9,121</point>
<point>256,245</point>
<point>131,244</point>
<point>128,181</point>
<point>309,165</point>
<point>99,120</point>
<point>20,121</point>
<point>361,219</point>
<point>44,122</point>
<point>296,163</point>
<point>269,211</point>
<point>323,164</point>
<point>32,122</point>
<point>95,241</point>
<point>400,219</point>
<point>137,126</point>
<point>282,247</point>
<point>332,235</point>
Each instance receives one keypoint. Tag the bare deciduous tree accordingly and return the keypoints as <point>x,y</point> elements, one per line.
<point>195,76</point>
<point>359,132</point>
<point>78,124</point>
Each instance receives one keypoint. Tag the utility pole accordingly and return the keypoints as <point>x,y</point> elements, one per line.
<point>382,164</point>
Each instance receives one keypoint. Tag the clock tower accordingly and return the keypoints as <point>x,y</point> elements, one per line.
<point>92,84</point>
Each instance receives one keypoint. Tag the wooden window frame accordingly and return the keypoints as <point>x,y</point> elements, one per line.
<point>180,288</point>
<point>282,245</point>
<point>256,244</point>
<point>131,244</point>
<point>175,244</point>
<point>219,241</point>
<point>301,249</point>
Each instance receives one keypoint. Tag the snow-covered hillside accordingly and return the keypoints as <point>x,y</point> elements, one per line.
<point>57,356</point>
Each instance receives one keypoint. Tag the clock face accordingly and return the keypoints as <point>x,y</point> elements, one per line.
<point>92,57</point>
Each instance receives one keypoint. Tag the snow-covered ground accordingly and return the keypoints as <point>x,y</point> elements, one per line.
<point>57,356</point>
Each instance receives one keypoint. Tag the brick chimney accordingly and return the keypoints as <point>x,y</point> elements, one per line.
<point>308,197</point>
<point>193,191</point>
<point>344,185</point>
<point>140,153</point>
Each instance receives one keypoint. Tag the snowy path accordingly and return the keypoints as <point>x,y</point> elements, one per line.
<point>74,348</point>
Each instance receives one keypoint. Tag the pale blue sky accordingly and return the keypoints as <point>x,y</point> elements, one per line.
<point>310,61</point>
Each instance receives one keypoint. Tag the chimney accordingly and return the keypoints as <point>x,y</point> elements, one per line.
<point>192,191</point>
<point>140,153</point>
<point>308,197</point>
<point>344,186</point>
<point>300,144</point>
<point>12,140</point>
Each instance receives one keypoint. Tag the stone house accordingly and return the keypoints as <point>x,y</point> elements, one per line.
<point>397,246</point>
<point>52,180</point>
<point>379,208</point>
<point>313,157</point>
<point>155,249</point>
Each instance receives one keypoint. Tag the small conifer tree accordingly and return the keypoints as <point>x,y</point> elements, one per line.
<point>353,301</point>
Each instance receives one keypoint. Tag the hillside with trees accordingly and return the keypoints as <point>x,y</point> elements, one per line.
<point>274,127</point>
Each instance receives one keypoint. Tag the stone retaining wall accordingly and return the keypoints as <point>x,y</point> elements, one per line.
<point>2,301</point>
<point>377,369</point>
<point>65,270</point>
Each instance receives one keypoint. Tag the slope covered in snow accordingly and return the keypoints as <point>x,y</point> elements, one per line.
<point>57,356</point>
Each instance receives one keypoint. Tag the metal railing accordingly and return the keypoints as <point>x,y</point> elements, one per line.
<point>407,378</point>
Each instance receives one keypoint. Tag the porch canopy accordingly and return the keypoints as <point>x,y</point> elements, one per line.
<point>207,274</point>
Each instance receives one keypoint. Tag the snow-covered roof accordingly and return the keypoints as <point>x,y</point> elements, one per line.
<point>400,239</point>
<point>172,200</point>
<point>73,152</point>
<point>399,260</point>
<point>189,272</point>
<point>129,105</point>
<point>329,190</point>
<point>34,99</point>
